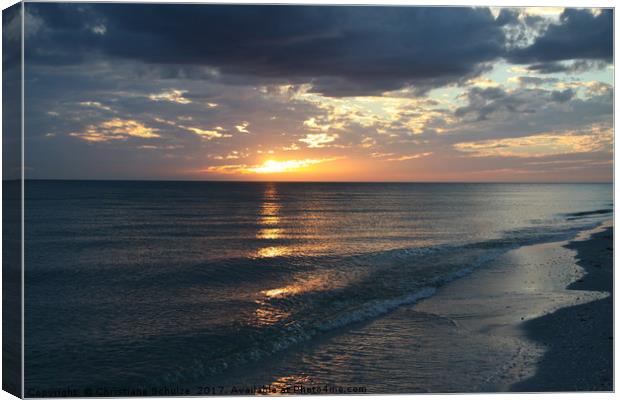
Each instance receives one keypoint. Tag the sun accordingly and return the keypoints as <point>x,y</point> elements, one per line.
<point>274,166</point>
<point>271,167</point>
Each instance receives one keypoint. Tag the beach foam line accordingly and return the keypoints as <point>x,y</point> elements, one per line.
<point>582,214</point>
<point>295,333</point>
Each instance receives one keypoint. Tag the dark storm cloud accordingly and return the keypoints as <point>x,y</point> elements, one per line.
<point>580,35</point>
<point>342,50</point>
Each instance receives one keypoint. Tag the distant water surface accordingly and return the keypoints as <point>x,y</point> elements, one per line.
<point>143,283</point>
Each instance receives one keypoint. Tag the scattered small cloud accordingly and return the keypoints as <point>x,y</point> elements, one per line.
<point>233,155</point>
<point>318,140</point>
<point>116,129</point>
<point>173,96</point>
<point>242,127</point>
<point>368,142</point>
<point>291,147</point>
<point>95,104</point>
<point>410,157</point>
<point>482,82</point>
<point>99,29</point>
<point>381,155</point>
<point>205,133</point>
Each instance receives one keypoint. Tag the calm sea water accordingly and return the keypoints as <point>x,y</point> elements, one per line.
<point>144,283</point>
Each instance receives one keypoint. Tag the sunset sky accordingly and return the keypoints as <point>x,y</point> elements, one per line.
<point>206,92</point>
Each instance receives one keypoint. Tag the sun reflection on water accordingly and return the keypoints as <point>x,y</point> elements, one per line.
<point>310,224</point>
<point>266,314</point>
<point>270,207</point>
<point>270,312</point>
<point>312,284</point>
<point>273,251</point>
<point>286,385</point>
<point>269,218</point>
<point>270,233</point>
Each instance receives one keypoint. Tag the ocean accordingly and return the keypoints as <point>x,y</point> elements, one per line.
<point>139,284</point>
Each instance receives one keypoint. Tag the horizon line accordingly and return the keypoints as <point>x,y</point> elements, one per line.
<point>299,181</point>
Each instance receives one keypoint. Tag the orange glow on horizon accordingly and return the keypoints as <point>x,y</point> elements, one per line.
<point>271,166</point>
<point>274,166</point>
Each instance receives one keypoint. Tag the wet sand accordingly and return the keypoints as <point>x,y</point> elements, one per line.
<point>552,303</point>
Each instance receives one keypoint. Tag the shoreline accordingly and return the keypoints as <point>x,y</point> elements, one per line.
<point>533,297</point>
<point>579,338</point>
<point>473,335</point>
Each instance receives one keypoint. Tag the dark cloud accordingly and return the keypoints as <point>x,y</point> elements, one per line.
<point>534,80</point>
<point>496,113</point>
<point>484,103</point>
<point>574,67</point>
<point>342,50</point>
<point>579,35</point>
<point>11,38</point>
<point>508,16</point>
<point>11,91</point>
<point>562,96</point>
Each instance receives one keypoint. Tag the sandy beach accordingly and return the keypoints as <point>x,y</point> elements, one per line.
<point>550,307</point>
<point>579,339</point>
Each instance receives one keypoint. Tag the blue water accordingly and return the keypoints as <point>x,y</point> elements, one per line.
<point>144,283</point>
